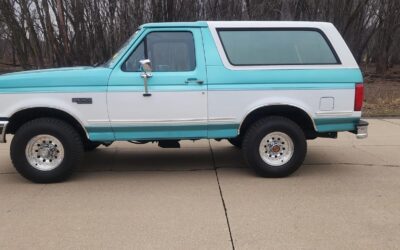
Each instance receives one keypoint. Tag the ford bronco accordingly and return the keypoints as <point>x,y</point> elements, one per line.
<point>266,87</point>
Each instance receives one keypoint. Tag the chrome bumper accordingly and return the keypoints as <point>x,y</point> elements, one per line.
<point>3,127</point>
<point>362,129</point>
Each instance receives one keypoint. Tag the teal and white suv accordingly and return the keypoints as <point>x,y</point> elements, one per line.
<point>267,87</point>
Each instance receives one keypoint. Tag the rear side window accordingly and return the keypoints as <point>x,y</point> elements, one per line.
<point>277,47</point>
<point>168,52</point>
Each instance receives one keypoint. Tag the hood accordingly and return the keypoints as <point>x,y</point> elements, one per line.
<point>57,77</point>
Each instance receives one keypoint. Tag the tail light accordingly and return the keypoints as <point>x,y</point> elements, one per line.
<point>359,97</point>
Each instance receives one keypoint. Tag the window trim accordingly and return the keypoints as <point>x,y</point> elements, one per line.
<point>328,42</point>
<point>144,40</point>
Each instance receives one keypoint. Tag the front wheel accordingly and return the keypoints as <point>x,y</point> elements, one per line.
<point>46,150</point>
<point>274,147</point>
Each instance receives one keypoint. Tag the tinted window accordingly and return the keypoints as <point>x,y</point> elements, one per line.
<point>276,47</point>
<point>168,52</point>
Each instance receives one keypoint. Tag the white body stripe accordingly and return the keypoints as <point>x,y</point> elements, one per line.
<point>179,107</point>
<point>161,108</point>
<point>239,104</point>
<point>12,103</point>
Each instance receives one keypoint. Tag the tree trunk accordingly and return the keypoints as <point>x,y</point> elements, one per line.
<point>63,29</point>
<point>33,38</point>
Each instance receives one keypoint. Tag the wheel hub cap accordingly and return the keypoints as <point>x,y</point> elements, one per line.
<point>44,152</point>
<point>276,148</point>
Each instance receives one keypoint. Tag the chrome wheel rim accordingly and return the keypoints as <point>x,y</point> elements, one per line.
<point>44,152</point>
<point>276,149</point>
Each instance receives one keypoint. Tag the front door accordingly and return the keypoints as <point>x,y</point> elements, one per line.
<point>177,105</point>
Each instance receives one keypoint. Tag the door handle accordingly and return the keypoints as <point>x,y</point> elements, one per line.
<point>189,80</point>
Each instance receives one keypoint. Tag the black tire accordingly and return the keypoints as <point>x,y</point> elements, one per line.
<point>90,146</point>
<point>254,137</point>
<point>63,132</point>
<point>237,141</point>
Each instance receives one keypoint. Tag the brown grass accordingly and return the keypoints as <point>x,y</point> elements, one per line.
<point>382,94</point>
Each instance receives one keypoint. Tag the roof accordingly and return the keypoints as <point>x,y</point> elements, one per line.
<point>175,24</point>
<point>268,24</point>
<point>237,24</point>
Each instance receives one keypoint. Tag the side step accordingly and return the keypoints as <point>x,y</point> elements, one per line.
<point>169,144</point>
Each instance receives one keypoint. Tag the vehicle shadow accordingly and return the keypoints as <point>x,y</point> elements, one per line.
<point>137,158</point>
<point>154,159</point>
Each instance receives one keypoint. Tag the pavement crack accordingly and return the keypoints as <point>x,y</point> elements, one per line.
<point>221,195</point>
<point>353,164</point>
<point>388,121</point>
<point>377,156</point>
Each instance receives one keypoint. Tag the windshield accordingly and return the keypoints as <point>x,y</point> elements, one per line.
<point>123,47</point>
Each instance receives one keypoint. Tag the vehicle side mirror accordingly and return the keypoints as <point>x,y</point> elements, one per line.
<point>145,67</point>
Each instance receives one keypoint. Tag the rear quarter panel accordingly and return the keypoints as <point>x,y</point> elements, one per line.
<point>235,91</point>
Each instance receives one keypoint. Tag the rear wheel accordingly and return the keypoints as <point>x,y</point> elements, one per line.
<point>46,150</point>
<point>274,147</point>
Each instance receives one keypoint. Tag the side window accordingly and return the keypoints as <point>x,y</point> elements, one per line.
<point>168,52</point>
<point>132,64</point>
<point>277,47</point>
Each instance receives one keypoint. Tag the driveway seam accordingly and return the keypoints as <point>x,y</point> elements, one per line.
<point>385,120</point>
<point>377,156</point>
<point>353,164</point>
<point>222,196</point>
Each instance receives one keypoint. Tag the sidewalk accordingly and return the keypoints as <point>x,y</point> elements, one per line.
<point>346,195</point>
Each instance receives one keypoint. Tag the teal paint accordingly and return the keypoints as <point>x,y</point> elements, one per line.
<point>336,124</point>
<point>102,136</point>
<point>280,86</point>
<point>213,131</point>
<point>223,131</point>
<point>153,89</point>
<point>233,87</point>
<point>55,89</point>
<point>123,133</point>
<point>197,24</point>
<point>95,80</point>
<point>175,88</point>
<point>218,75</point>
<point>75,79</point>
<point>210,49</point>
<point>219,80</point>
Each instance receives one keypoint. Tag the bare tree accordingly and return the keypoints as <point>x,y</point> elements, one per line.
<point>45,33</point>
<point>389,25</point>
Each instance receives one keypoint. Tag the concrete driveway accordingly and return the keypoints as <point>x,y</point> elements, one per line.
<point>346,196</point>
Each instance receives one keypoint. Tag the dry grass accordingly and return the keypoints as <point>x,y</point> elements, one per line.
<point>382,94</point>
<point>382,100</point>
